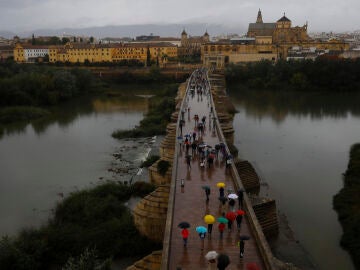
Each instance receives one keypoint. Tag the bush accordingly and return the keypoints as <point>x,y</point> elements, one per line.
<point>150,160</point>
<point>94,217</point>
<point>163,167</point>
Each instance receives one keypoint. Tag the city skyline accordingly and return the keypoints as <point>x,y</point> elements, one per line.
<point>28,15</point>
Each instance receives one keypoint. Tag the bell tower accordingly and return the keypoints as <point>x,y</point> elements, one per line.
<point>259,17</point>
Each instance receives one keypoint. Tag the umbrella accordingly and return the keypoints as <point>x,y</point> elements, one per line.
<point>244,237</point>
<point>223,261</point>
<point>232,196</point>
<point>209,146</point>
<point>231,216</point>
<point>179,137</point>
<point>211,255</point>
<point>184,225</point>
<point>252,266</point>
<point>209,219</point>
<point>201,145</point>
<point>240,212</point>
<point>187,135</point>
<point>201,229</point>
<point>222,220</point>
<point>205,187</point>
<point>220,184</point>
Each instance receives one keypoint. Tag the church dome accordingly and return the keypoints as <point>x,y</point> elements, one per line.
<point>284,19</point>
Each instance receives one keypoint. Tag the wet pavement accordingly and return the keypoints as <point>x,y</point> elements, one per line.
<point>190,205</point>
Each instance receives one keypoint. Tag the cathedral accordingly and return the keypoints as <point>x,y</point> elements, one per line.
<point>280,31</point>
<point>267,41</point>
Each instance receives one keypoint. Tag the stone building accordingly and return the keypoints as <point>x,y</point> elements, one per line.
<point>265,41</point>
<point>191,45</point>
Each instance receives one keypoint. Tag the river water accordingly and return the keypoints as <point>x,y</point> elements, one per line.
<point>299,145</point>
<point>44,161</point>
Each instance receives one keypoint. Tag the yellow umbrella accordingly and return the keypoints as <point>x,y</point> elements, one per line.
<point>209,219</point>
<point>220,184</point>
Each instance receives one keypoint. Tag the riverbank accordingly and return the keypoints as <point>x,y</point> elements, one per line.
<point>347,204</point>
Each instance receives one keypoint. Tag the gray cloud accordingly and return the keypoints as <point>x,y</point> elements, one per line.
<point>24,15</point>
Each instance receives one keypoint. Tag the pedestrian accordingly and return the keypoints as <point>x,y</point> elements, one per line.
<point>188,109</point>
<point>230,225</point>
<point>194,136</point>
<point>207,193</point>
<point>240,194</point>
<point>182,114</point>
<point>210,226</point>
<point>238,221</point>
<point>221,228</point>
<point>181,126</point>
<point>231,204</point>
<point>188,161</point>
<point>185,235</point>
<point>242,248</point>
<point>193,148</point>
<point>221,192</point>
<point>202,237</point>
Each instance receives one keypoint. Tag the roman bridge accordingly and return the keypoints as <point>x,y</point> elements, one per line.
<point>180,194</point>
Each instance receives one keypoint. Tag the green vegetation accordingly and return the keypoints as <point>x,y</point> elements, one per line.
<point>154,123</point>
<point>87,260</point>
<point>21,113</point>
<point>347,205</point>
<point>163,167</point>
<point>150,160</point>
<point>320,75</point>
<point>87,219</point>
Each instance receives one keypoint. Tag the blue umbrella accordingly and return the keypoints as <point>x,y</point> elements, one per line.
<point>201,229</point>
<point>179,137</point>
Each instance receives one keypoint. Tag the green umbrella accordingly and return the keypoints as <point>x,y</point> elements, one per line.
<point>222,220</point>
<point>205,187</point>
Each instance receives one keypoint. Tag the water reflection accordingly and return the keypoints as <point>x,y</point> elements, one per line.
<point>67,113</point>
<point>299,143</point>
<point>279,104</point>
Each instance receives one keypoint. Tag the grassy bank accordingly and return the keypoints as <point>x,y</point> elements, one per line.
<point>154,123</point>
<point>347,205</point>
<point>87,219</point>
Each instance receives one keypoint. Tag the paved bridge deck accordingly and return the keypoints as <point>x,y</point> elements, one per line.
<point>190,205</point>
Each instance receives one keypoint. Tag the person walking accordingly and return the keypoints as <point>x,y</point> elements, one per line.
<point>185,235</point>
<point>221,228</point>
<point>240,194</point>
<point>231,204</point>
<point>210,227</point>
<point>207,193</point>
<point>242,248</point>
<point>221,192</point>
<point>188,161</point>
<point>238,221</point>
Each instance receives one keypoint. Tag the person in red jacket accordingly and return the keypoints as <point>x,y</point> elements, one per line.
<point>185,235</point>
<point>221,229</point>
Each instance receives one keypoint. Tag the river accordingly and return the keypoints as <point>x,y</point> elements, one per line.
<point>42,162</point>
<point>299,145</point>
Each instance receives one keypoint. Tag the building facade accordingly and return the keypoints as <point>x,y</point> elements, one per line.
<point>30,53</point>
<point>94,53</point>
<point>265,41</point>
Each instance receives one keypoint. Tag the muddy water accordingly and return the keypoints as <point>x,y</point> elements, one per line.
<point>44,161</point>
<point>299,144</point>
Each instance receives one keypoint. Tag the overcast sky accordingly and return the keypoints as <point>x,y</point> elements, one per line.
<point>322,15</point>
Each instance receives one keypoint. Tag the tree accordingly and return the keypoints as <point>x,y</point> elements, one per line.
<point>92,39</point>
<point>65,84</point>
<point>65,40</point>
<point>148,56</point>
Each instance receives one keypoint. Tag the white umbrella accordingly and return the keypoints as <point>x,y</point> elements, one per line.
<point>211,255</point>
<point>232,196</point>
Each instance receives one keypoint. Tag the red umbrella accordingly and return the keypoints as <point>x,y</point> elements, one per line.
<point>252,266</point>
<point>240,212</point>
<point>231,216</point>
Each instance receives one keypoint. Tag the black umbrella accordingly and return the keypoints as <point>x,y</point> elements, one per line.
<point>223,261</point>
<point>244,237</point>
<point>184,225</point>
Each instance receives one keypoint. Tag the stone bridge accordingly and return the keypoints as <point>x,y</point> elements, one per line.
<point>180,194</point>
